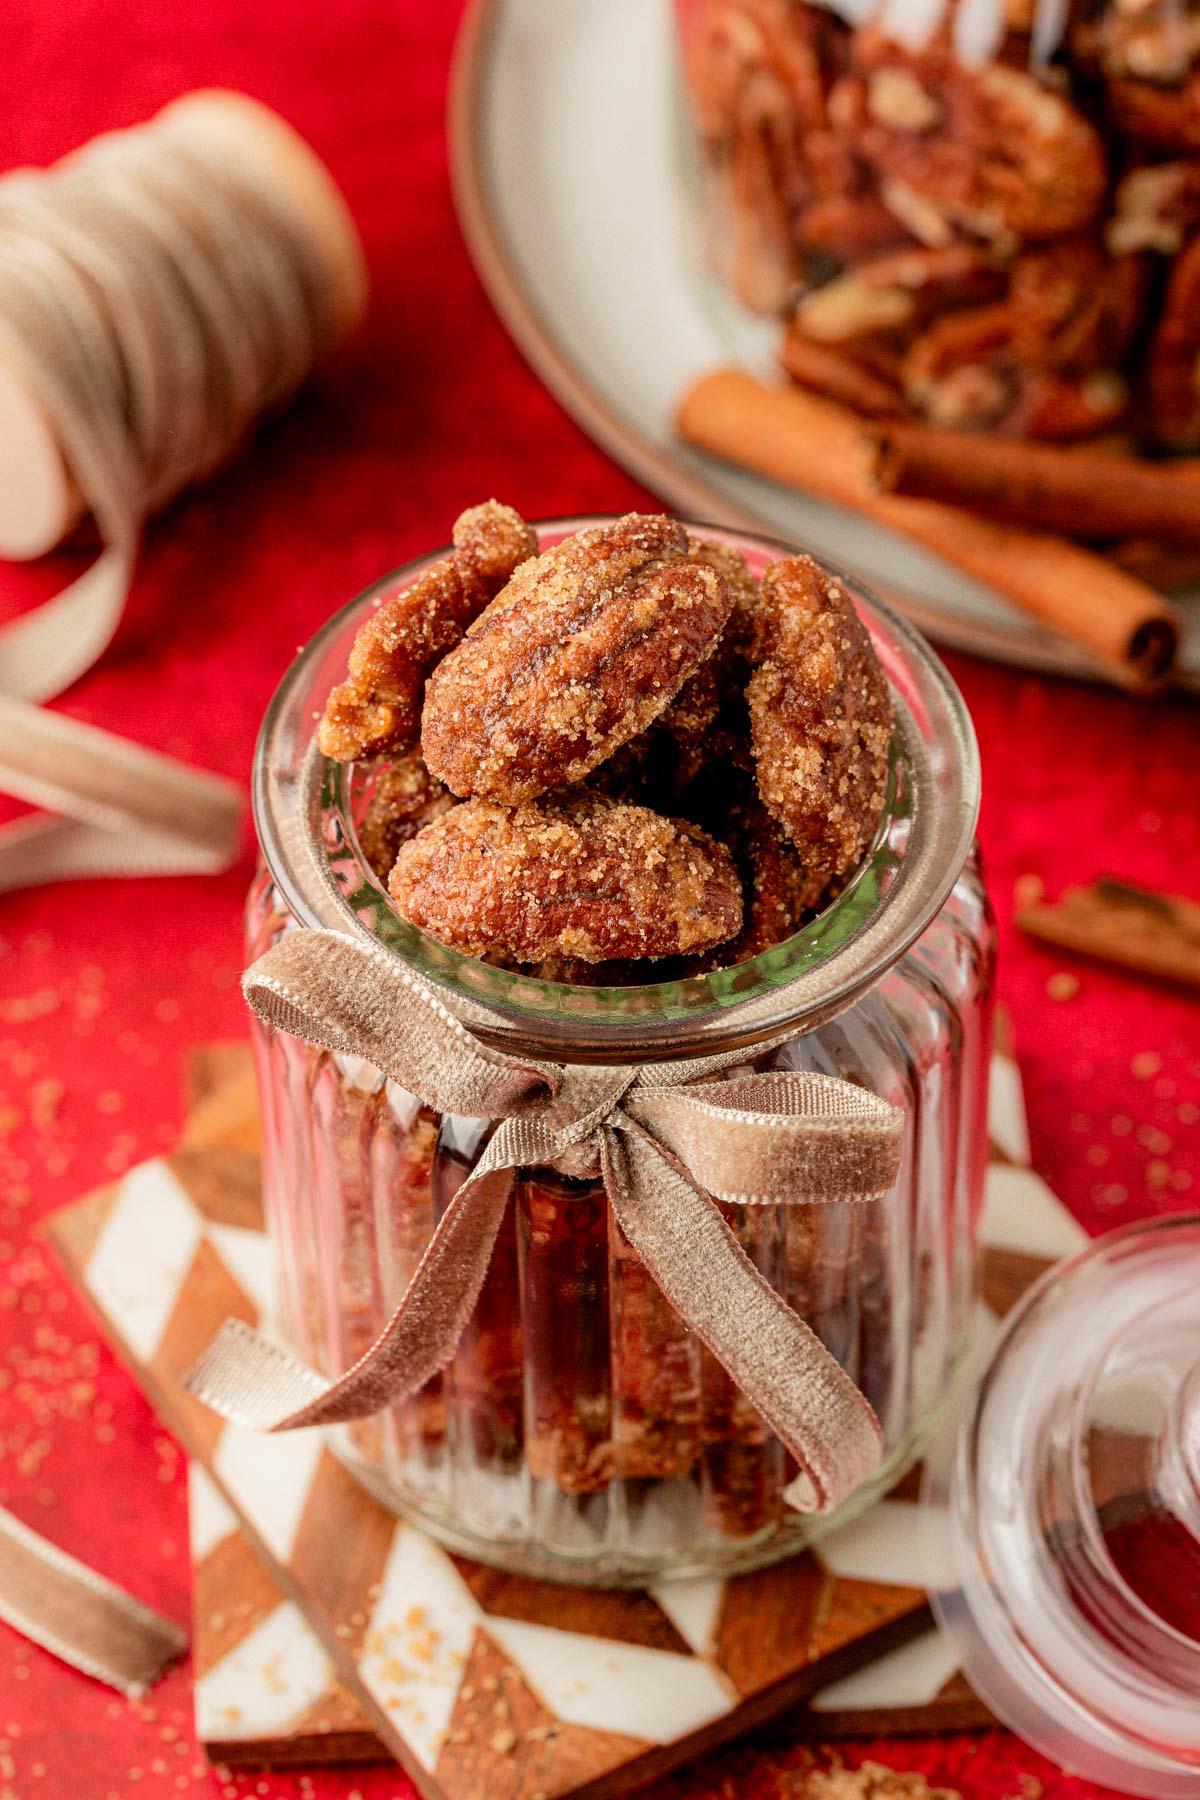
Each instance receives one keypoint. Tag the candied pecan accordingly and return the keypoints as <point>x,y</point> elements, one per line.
<point>744,591</point>
<point>1174,369</point>
<point>821,718</point>
<point>1163,118</point>
<point>897,290</point>
<point>582,650</point>
<point>1043,361</point>
<point>846,225</point>
<point>779,888</point>
<point>378,706</point>
<point>1152,209</point>
<point>749,224</point>
<point>583,877</point>
<point>1007,157</point>
<point>403,797</point>
<point>840,374</point>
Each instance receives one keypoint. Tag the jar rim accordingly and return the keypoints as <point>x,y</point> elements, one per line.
<point>305,829</point>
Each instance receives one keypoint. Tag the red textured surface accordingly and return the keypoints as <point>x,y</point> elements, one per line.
<point>103,987</point>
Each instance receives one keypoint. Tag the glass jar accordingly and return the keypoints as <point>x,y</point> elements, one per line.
<point>982,214</point>
<point>581,1432</point>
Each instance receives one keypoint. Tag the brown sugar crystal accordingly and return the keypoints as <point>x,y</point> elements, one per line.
<point>377,707</point>
<point>584,877</point>
<point>581,651</point>
<point>820,717</point>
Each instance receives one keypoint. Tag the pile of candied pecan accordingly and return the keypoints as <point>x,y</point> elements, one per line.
<point>985,247</point>
<point>619,751</point>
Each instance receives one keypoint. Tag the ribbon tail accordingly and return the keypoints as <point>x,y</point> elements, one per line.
<point>79,1616</point>
<point>780,1365</point>
<point>254,1382</point>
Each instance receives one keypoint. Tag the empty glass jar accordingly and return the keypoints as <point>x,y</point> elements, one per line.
<point>581,1432</point>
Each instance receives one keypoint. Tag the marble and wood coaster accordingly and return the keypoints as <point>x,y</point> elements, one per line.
<point>477,1681</point>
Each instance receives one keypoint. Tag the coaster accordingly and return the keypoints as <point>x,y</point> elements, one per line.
<point>472,1679</point>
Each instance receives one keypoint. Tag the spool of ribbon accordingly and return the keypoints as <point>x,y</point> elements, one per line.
<point>669,1139</point>
<point>160,289</point>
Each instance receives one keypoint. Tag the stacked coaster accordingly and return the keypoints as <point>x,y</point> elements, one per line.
<point>326,1630</point>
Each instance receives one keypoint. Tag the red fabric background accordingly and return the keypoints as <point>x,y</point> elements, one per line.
<point>103,987</point>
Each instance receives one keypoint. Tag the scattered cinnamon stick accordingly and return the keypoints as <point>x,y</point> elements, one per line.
<point>1084,492</point>
<point>811,443</point>
<point>1136,928</point>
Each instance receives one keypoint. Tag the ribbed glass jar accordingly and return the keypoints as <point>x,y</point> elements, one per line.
<point>582,1432</point>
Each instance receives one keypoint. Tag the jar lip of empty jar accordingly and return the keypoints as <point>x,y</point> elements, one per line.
<point>302,810</point>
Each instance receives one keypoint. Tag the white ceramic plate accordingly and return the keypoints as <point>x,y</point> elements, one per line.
<point>577,195</point>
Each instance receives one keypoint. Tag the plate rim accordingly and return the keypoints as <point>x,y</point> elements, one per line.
<point>1029,646</point>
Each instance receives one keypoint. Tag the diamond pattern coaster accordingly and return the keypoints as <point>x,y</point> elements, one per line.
<point>478,1681</point>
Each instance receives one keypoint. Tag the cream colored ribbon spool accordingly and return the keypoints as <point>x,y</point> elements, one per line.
<point>159,291</point>
<point>668,1141</point>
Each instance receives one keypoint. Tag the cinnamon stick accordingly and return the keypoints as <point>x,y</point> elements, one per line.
<point>1136,928</point>
<point>811,443</point>
<point>1084,492</point>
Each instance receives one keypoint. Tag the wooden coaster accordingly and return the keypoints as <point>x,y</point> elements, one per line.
<point>475,1680</point>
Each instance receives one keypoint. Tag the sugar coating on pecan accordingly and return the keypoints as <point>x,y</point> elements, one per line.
<point>581,651</point>
<point>583,877</point>
<point>403,798</point>
<point>820,718</point>
<point>378,706</point>
<point>706,722</point>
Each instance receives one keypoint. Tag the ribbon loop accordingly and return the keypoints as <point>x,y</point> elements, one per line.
<point>775,1139</point>
<point>665,1149</point>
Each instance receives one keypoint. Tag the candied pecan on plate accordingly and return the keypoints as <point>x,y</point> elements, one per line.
<point>1175,356</point>
<point>1043,361</point>
<point>582,877</point>
<point>998,154</point>
<point>820,718</point>
<point>581,651</point>
<point>377,707</point>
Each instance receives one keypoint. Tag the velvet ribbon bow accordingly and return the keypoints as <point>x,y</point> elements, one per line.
<point>669,1139</point>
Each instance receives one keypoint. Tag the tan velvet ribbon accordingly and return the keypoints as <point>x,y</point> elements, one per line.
<point>669,1142</point>
<point>155,301</point>
<point>80,1616</point>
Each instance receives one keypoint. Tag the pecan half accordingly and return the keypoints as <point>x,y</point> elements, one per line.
<point>1008,157</point>
<point>1154,208</point>
<point>378,706</point>
<point>820,718</point>
<point>1175,357</point>
<point>403,798</point>
<point>584,877</point>
<point>582,650</point>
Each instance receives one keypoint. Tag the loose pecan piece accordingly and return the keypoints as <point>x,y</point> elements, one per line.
<point>820,719</point>
<point>403,798</point>
<point>1154,208</point>
<point>583,877</point>
<point>378,706</point>
<point>1164,118</point>
<point>583,649</point>
<point>1175,357</point>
